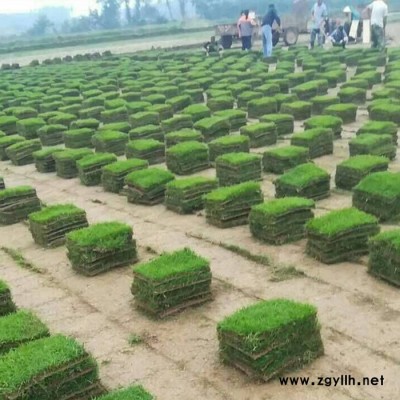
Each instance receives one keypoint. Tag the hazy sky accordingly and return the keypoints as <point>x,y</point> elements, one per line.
<point>13,6</point>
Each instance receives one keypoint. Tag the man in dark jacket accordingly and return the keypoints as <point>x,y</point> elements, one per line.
<point>339,37</point>
<point>269,18</point>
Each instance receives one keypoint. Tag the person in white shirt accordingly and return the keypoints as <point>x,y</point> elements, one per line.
<point>319,13</point>
<point>378,12</point>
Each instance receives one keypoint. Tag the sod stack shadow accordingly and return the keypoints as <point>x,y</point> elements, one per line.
<point>147,149</point>
<point>228,144</point>
<point>7,305</point>
<point>171,283</point>
<point>113,175</point>
<point>54,367</point>
<point>90,167</point>
<point>270,338</point>
<point>50,225</point>
<point>78,138</point>
<point>318,141</point>
<point>130,393</point>
<point>281,159</point>
<point>237,118</point>
<point>213,127</point>
<point>101,247</point>
<point>66,160</point>
<point>44,161</point>
<point>376,145</point>
<point>327,122</point>
<point>187,158</point>
<point>21,153</point>
<point>281,221</point>
<point>51,135</point>
<point>284,122</point>
<point>17,203</point>
<point>260,134</point>
<point>340,235</point>
<point>110,142</point>
<point>380,128</point>
<point>230,206</point>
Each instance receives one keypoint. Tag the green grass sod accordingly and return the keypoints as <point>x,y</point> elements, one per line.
<point>51,135</point>
<point>114,115</point>
<point>28,127</point>
<point>237,118</point>
<point>183,135</point>
<point>283,98</point>
<point>346,111</point>
<point>260,134</point>
<point>176,123</point>
<point>353,95</point>
<point>325,121</point>
<point>21,153</point>
<point>90,167</point>
<point>220,103</point>
<point>130,393</point>
<point>379,145</point>
<point>144,118</point>
<point>299,109</point>
<point>245,97</point>
<point>197,112</point>
<point>78,138</point>
<point>213,127</point>
<point>306,91</point>
<point>66,162</point>
<point>280,159</point>
<point>228,144</point>
<point>91,123</point>
<point>110,142</point>
<point>319,141</point>
<point>147,149</point>
<point>187,157</point>
<point>44,161</point>
<point>91,112</point>
<point>384,112</point>
<point>123,126</point>
<point>284,122</point>
<point>7,305</point>
<point>62,119</point>
<point>8,124</point>
<point>165,110</point>
<point>259,107</point>
<point>380,128</point>
<point>319,103</point>
<point>147,132</point>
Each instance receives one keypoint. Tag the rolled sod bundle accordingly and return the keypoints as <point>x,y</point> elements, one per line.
<point>380,128</point>
<point>54,367</point>
<point>144,118</point>
<point>260,134</point>
<point>235,168</point>
<point>8,124</point>
<point>353,95</point>
<point>147,149</point>
<point>384,112</point>
<point>50,225</point>
<point>281,221</point>
<point>131,393</point>
<point>237,118</point>
<point>17,203</point>
<point>184,135</point>
<point>51,135</point>
<point>101,247</point>
<point>44,161</point>
<point>346,111</point>
<point>299,109</point>
<point>230,206</point>
<point>259,107</point>
<point>171,283</point>
<point>197,112</point>
<point>21,153</point>
<point>213,127</point>
<point>319,103</point>
<point>305,180</point>
<point>6,142</point>
<point>110,142</point>
<point>148,186</point>
<point>7,305</point>
<point>340,235</point>
<point>28,128</point>
<point>19,328</point>
<point>91,123</point>
<point>319,141</point>
<point>181,121</point>
<point>350,172</point>
<point>147,132</point>
<point>185,196</point>
<point>376,145</point>
<point>78,138</point>
<point>90,167</point>
<point>66,162</point>
<point>228,144</point>
<point>284,122</point>
<point>187,158</point>
<point>379,195</point>
<point>164,110</point>
<point>270,338</point>
<point>113,175</point>
<point>280,159</point>
<point>384,256</point>
<point>325,121</point>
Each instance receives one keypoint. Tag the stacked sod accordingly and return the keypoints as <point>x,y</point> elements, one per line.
<point>385,112</point>
<point>184,135</point>
<point>78,138</point>
<point>213,127</point>
<point>44,160</point>
<point>260,134</point>
<point>50,225</point>
<point>17,203</point>
<point>6,142</point>
<point>28,127</point>
<point>110,142</point>
<point>66,162</point>
<point>299,109</point>
<point>144,118</point>
<point>197,112</point>
<point>380,128</point>
<point>237,118</point>
<point>148,186</point>
<point>7,305</point>
<point>325,121</point>
<point>376,145</point>
<point>305,180</point>
<point>22,153</point>
<point>182,121</point>
<point>284,123</point>
<point>230,206</point>
<point>220,103</point>
<point>234,168</point>
<point>319,103</point>
<point>352,95</point>
<point>51,135</point>
<point>124,127</point>
<point>282,220</point>
<point>270,338</point>
<point>185,196</point>
<point>384,260</point>
<point>113,175</point>
<point>131,393</point>
<point>318,141</point>
<point>90,167</point>
<point>8,124</point>
<point>101,247</point>
<point>228,144</point>
<point>147,132</point>
<point>379,195</point>
<point>91,123</point>
<point>346,111</point>
<point>340,235</point>
<point>171,283</point>
<point>187,158</point>
<point>259,107</point>
<point>147,149</point>
<point>280,159</point>
<point>54,367</point>
<point>350,172</point>
<point>19,328</point>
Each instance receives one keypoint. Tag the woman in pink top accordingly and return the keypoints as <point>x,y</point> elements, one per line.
<point>245,28</point>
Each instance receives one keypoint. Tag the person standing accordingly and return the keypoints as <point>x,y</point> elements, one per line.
<point>245,28</point>
<point>269,18</point>
<point>319,13</point>
<point>378,11</point>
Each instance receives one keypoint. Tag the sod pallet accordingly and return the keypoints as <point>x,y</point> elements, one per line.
<point>213,127</point>
<point>270,338</point>
<point>346,111</point>
<point>259,107</point>
<point>101,247</point>
<point>66,160</point>
<point>350,172</point>
<point>379,195</point>
<point>54,367</point>
<point>281,221</point>
<point>78,138</point>
<point>110,142</point>
<point>340,235</point>
<point>172,283</point>
<point>230,206</point>
<point>113,175</point>
<point>228,144</point>
<point>22,153</point>
<point>380,128</point>
<point>260,134</point>
<point>185,196</point>
<point>50,225</point>
<point>147,149</point>
<point>318,141</point>
<point>51,135</point>
<point>184,135</point>
<point>44,160</point>
<point>130,393</point>
<point>299,109</point>
<point>7,305</point>
<point>176,123</point>
<point>325,121</point>
<point>237,118</point>
<point>28,127</point>
<point>148,186</point>
<point>19,328</point>
<point>6,142</point>
<point>147,132</point>
<point>280,159</point>
<point>305,180</point>
<point>90,167</point>
<point>384,256</point>
<point>187,158</point>
<point>17,203</point>
<point>284,122</point>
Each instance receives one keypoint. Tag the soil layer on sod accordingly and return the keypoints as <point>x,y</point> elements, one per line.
<point>281,159</point>
<point>7,305</point>
<point>260,134</point>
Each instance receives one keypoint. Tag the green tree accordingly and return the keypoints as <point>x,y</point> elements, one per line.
<point>110,13</point>
<point>41,26</point>
<point>128,13</point>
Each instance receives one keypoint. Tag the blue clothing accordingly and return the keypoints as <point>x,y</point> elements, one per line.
<point>270,17</point>
<point>267,40</point>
